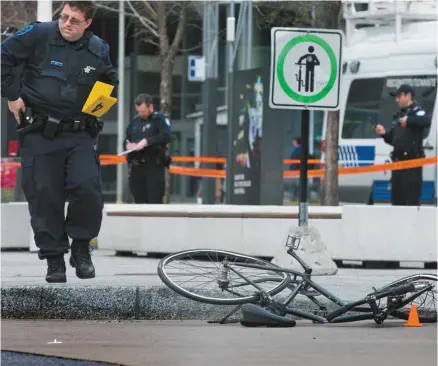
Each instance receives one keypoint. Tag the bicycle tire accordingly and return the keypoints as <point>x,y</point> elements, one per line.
<point>215,301</point>
<point>405,280</point>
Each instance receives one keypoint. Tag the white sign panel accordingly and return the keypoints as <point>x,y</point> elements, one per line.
<point>196,71</point>
<point>305,68</point>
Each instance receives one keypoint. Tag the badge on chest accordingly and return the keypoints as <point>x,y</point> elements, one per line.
<point>146,127</point>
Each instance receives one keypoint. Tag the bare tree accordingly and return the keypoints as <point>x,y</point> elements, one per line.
<point>318,14</point>
<point>331,177</point>
<point>331,186</point>
<point>18,14</point>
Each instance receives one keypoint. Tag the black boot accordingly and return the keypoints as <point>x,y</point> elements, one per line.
<point>56,270</point>
<point>80,259</point>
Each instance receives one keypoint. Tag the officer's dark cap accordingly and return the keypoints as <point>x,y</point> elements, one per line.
<point>404,88</point>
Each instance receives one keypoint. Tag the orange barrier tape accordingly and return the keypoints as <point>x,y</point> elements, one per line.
<point>216,173</point>
<point>414,163</point>
<point>11,165</point>
<point>200,159</point>
<point>220,173</point>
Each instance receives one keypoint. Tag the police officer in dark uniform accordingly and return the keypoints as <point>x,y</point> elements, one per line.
<point>62,61</point>
<point>148,134</point>
<point>407,139</point>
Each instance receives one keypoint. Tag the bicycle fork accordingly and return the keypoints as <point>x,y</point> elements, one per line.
<point>379,316</point>
<point>393,303</point>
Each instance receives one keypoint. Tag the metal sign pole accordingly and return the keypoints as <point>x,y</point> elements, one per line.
<point>303,208</point>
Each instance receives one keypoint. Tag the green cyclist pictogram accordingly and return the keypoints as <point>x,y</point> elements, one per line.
<point>306,99</point>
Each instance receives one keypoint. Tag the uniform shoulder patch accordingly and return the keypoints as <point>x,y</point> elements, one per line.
<point>25,30</point>
<point>420,113</point>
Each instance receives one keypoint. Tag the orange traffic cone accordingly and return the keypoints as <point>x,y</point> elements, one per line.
<point>413,320</point>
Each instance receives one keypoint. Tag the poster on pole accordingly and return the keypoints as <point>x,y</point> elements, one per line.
<point>248,134</point>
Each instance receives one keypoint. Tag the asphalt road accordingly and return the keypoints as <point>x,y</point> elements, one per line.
<point>24,359</point>
<point>196,343</point>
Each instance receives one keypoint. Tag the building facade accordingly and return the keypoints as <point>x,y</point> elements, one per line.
<point>142,74</point>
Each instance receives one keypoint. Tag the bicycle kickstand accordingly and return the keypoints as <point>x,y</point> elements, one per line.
<point>222,321</point>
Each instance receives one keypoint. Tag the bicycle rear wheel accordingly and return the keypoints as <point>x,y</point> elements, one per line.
<point>200,275</point>
<point>426,302</point>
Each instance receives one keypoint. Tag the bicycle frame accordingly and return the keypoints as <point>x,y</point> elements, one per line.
<point>306,283</point>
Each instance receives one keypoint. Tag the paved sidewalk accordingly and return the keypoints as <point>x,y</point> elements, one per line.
<point>194,343</point>
<point>129,288</point>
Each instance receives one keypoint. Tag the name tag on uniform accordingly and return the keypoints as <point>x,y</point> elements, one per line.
<point>56,63</point>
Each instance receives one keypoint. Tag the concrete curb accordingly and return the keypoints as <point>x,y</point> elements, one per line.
<point>112,303</point>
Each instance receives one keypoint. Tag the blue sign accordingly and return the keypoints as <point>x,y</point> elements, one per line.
<point>196,71</point>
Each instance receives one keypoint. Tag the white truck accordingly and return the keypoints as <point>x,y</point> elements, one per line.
<point>397,45</point>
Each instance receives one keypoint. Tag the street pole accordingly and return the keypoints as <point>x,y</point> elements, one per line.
<point>303,208</point>
<point>44,11</point>
<point>209,93</point>
<point>121,98</point>
<point>231,27</point>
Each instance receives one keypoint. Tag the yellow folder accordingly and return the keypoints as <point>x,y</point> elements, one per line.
<point>99,101</point>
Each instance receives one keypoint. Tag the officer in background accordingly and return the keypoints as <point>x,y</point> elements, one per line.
<point>148,134</point>
<point>407,139</point>
<point>62,60</point>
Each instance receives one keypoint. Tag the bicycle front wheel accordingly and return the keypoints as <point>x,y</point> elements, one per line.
<point>220,277</point>
<point>425,303</point>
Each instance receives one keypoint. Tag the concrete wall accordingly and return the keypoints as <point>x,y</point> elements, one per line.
<point>351,233</point>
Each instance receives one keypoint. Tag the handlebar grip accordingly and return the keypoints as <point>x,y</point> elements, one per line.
<point>401,290</point>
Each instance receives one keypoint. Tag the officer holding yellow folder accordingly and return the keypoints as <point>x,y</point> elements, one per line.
<point>65,86</point>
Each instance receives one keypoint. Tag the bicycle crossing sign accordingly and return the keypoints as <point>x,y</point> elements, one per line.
<point>305,68</point>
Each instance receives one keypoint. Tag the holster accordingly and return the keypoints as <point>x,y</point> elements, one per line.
<point>94,126</point>
<point>51,127</point>
<point>29,122</point>
<point>165,156</point>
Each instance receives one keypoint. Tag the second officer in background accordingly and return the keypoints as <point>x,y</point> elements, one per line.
<point>406,136</point>
<point>147,134</point>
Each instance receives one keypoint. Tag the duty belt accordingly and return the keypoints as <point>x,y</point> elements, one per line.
<point>52,126</point>
<point>142,160</point>
<point>404,155</point>
<point>399,155</point>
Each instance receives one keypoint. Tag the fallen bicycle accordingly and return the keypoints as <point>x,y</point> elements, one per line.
<point>229,277</point>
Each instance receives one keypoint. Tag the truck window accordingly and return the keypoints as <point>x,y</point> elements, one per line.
<point>369,100</point>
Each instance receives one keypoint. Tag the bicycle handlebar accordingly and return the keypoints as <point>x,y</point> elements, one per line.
<point>401,290</point>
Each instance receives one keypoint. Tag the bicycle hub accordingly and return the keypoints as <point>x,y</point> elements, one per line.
<point>223,277</point>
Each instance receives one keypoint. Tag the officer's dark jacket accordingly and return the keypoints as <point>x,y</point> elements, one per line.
<point>408,142</point>
<point>155,129</point>
<point>57,75</point>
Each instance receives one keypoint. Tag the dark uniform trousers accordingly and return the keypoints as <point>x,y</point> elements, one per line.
<point>147,180</point>
<point>406,186</point>
<point>53,172</point>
